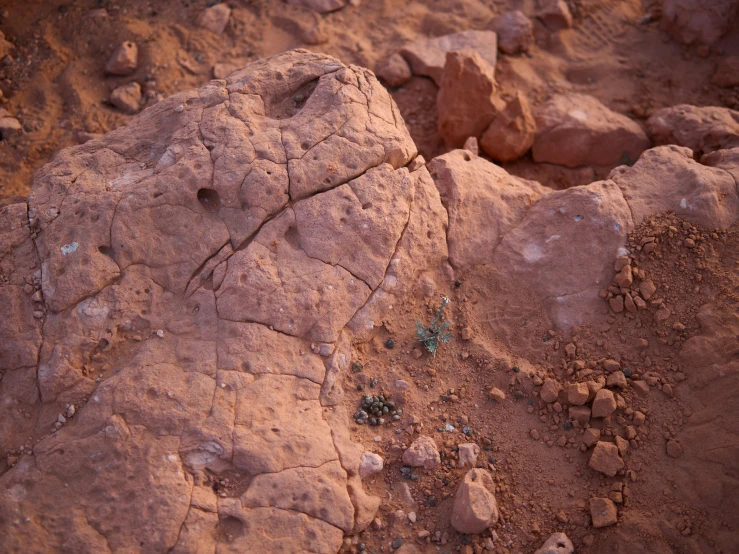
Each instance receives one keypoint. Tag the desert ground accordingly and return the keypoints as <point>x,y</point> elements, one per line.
<point>369,276</point>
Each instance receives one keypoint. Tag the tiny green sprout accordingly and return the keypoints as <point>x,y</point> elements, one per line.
<point>436,334</point>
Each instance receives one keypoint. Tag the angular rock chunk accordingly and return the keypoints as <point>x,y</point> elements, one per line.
<point>511,133</point>
<point>427,57</point>
<point>422,453</point>
<point>127,98</point>
<point>581,227</point>
<point>555,14</point>
<point>466,103</point>
<point>667,178</point>
<point>515,32</point>
<point>576,129</point>
<point>321,6</point>
<point>394,70</point>
<point>698,22</point>
<point>558,543</point>
<point>214,18</point>
<point>727,72</point>
<point>483,201</point>
<point>124,60</point>
<point>702,129</point>
<point>605,459</point>
<point>475,508</point>
<point>603,512</point>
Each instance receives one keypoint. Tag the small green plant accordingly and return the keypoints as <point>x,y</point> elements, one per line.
<point>437,333</point>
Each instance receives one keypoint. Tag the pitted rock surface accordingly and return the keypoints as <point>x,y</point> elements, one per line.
<point>186,262</point>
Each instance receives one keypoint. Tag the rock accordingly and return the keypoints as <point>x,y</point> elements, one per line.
<point>605,459</point>
<point>558,543</point>
<point>577,394</point>
<point>591,436</point>
<point>611,365</point>
<point>617,304</point>
<point>127,98</point>
<point>603,512</point>
<point>370,464</point>
<point>624,278</point>
<point>674,449</point>
<point>550,391</point>
<point>475,508</point>
<point>702,129</point>
<point>515,32</point>
<point>647,289</point>
<point>667,178</point>
<point>187,251</point>
<point>496,394</point>
<point>554,14</point>
<point>215,18</point>
<point>727,72</point>
<point>622,444</point>
<point>697,22</point>
<point>471,146</point>
<point>394,70</point>
<point>124,60</point>
<point>9,127</point>
<point>317,34</point>
<point>422,453</point>
<point>604,403</point>
<point>511,133</point>
<point>483,201</point>
<point>468,453</point>
<point>594,134</point>
<point>428,57</point>
<point>581,227</point>
<point>321,6</point>
<point>466,103</point>
<point>617,379</point>
<point>581,414</point>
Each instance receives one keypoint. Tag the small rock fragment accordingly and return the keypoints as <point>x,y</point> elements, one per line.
<point>647,289</point>
<point>603,512</point>
<point>127,98</point>
<point>550,391</point>
<point>214,18</point>
<point>605,459</point>
<point>558,543</point>
<point>468,453</point>
<point>475,508</point>
<point>611,365</point>
<point>617,379</point>
<point>577,394</point>
<point>471,146</point>
<point>511,133</point>
<point>124,60</point>
<point>422,453</point>
<point>591,436</point>
<point>9,127</point>
<point>370,464</point>
<point>581,414</point>
<point>515,32</point>
<point>726,74</point>
<point>674,449</point>
<point>394,70</point>
<point>555,14</point>
<point>496,394</point>
<point>604,403</point>
<point>617,304</point>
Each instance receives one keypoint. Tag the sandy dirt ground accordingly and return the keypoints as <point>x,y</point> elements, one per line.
<point>671,498</point>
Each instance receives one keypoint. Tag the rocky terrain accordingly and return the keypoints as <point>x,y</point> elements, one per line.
<point>225,227</point>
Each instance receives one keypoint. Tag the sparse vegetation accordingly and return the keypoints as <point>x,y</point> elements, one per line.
<point>437,333</point>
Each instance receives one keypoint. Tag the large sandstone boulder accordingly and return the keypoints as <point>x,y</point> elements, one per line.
<point>428,57</point>
<point>483,202</point>
<point>581,227</point>
<point>576,129</point>
<point>702,129</point>
<point>164,285</point>
<point>697,21</point>
<point>668,178</point>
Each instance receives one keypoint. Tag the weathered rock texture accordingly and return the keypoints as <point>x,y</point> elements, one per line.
<point>702,129</point>
<point>697,21</point>
<point>183,265</point>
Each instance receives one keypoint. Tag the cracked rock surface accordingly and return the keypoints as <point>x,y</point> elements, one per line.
<point>165,282</point>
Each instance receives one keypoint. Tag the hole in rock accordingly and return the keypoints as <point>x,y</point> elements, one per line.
<point>106,250</point>
<point>291,236</point>
<point>290,103</point>
<point>209,199</point>
<point>232,527</point>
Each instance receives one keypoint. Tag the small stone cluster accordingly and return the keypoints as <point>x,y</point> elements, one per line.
<point>377,410</point>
